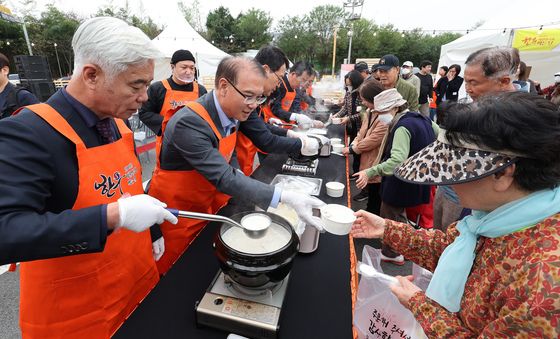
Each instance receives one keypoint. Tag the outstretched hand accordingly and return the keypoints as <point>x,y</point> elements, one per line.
<point>367,225</point>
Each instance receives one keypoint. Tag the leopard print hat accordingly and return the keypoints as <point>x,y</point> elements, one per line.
<point>442,163</point>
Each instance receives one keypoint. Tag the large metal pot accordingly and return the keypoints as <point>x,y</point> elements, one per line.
<point>256,270</point>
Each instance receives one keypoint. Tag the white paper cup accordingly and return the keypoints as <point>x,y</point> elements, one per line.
<point>338,219</point>
<point>335,189</point>
<point>337,148</point>
<point>337,121</point>
<point>336,141</point>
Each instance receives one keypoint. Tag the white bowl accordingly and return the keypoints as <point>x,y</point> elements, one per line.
<point>337,148</point>
<point>336,121</point>
<point>338,219</point>
<point>336,141</point>
<point>335,189</point>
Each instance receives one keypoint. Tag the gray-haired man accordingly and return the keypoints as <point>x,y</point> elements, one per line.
<point>72,185</point>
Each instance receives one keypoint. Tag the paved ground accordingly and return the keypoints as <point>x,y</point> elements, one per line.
<point>9,282</point>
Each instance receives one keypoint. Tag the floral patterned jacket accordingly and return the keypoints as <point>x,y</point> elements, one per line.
<point>513,289</point>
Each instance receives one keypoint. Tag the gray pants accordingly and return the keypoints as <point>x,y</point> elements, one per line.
<point>394,213</point>
<point>446,211</point>
<point>424,109</point>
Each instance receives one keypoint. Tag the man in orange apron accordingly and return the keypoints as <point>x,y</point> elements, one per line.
<point>68,169</point>
<point>274,63</point>
<point>167,96</point>
<point>195,171</point>
<point>304,95</point>
<point>282,100</point>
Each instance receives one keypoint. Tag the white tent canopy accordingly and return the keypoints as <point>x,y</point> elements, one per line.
<point>179,34</point>
<point>544,63</point>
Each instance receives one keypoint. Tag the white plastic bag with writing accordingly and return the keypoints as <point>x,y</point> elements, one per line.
<point>378,312</point>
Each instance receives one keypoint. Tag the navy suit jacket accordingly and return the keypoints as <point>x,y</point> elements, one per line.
<point>39,185</point>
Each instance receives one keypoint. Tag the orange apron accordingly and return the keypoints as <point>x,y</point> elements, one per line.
<point>90,295</point>
<point>189,191</point>
<point>172,102</point>
<point>286,104</point>
<point>304,105</point>
<point>434,98</point>
<point>246,150</point>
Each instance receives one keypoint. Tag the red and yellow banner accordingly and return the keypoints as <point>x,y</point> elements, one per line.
<point>536,40</point>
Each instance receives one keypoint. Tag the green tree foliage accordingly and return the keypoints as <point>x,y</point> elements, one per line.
<point>314,41</point>
<point>13,42</point>
<point>146,24</point>
<point>220,26</point>
<point>252,30</point>
<point>309,37</point>
<point>54,26</point>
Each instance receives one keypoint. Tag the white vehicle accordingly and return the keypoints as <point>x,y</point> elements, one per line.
<point>14,79</point>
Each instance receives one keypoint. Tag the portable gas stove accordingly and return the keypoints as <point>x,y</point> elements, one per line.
<point>300,166</point>
<point>231,307</point>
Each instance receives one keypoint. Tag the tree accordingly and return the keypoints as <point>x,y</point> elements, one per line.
<point>310,37</point>
<point>191,12</point>
<point>13,42</point>
<point>221,27</point>
<point>252,29</point>
<point>146,24</point>
<point>294,38</point>
<point>54,26</point>
<point>322,21</point>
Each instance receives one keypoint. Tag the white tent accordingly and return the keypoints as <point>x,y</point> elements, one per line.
<point>179,34</point>
<point>498,31</point>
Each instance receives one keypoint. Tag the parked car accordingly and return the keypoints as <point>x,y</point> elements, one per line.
<point>14,79</point>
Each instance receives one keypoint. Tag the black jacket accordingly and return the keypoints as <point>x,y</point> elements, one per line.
<point>449,89</point>
<point>149,113</point>
<point>39,185</point>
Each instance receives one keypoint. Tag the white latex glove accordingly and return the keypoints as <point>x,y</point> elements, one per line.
<point>275,121</point>
<point>292,134</point>
<point>318,124</point>
<point>158,248</point>
<point>139,212</point>
<point>301,119</point>
<point>303,205</point>
<point>309,146</point>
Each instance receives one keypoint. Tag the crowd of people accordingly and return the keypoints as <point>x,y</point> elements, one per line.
<point>74,212</point>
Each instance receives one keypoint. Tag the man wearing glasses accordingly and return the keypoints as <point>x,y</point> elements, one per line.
<point>274,63</point>
<point>197,170</point>
<point>283,103</point>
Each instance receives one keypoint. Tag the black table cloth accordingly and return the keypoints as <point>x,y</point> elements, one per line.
<point>318,301</point>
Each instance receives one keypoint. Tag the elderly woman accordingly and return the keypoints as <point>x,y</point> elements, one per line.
<point>496,272</point>
<point>368,143</point>
<point>408,133</point>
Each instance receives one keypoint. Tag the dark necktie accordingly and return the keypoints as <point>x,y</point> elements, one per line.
<point>105,131</point>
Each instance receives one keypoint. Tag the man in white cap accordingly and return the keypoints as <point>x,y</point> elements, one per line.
<point>408,75</point>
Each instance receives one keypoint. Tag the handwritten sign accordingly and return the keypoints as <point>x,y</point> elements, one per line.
<point>536,40</point>
<point>380,327</point>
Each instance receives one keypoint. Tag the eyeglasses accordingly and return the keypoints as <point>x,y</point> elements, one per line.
<point>249,100</point>
<point>279,78</point>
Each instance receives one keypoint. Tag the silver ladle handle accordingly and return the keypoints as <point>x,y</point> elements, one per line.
<point>203,216</point>
<point>214,217</point>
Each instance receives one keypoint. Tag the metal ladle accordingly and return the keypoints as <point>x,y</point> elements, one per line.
<point>255,234</point>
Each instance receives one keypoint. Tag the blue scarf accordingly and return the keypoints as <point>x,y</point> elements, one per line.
<point>454,266</point>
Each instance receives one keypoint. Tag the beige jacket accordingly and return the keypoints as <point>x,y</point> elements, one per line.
<point>368,142</point>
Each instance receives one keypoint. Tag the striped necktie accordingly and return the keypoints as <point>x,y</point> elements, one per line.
<point>105,131</point>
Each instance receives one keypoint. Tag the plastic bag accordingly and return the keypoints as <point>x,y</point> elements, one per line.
<point>422,277</point>
<point>378,312</point>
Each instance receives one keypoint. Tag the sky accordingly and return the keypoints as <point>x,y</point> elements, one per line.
<point>405,14</point>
